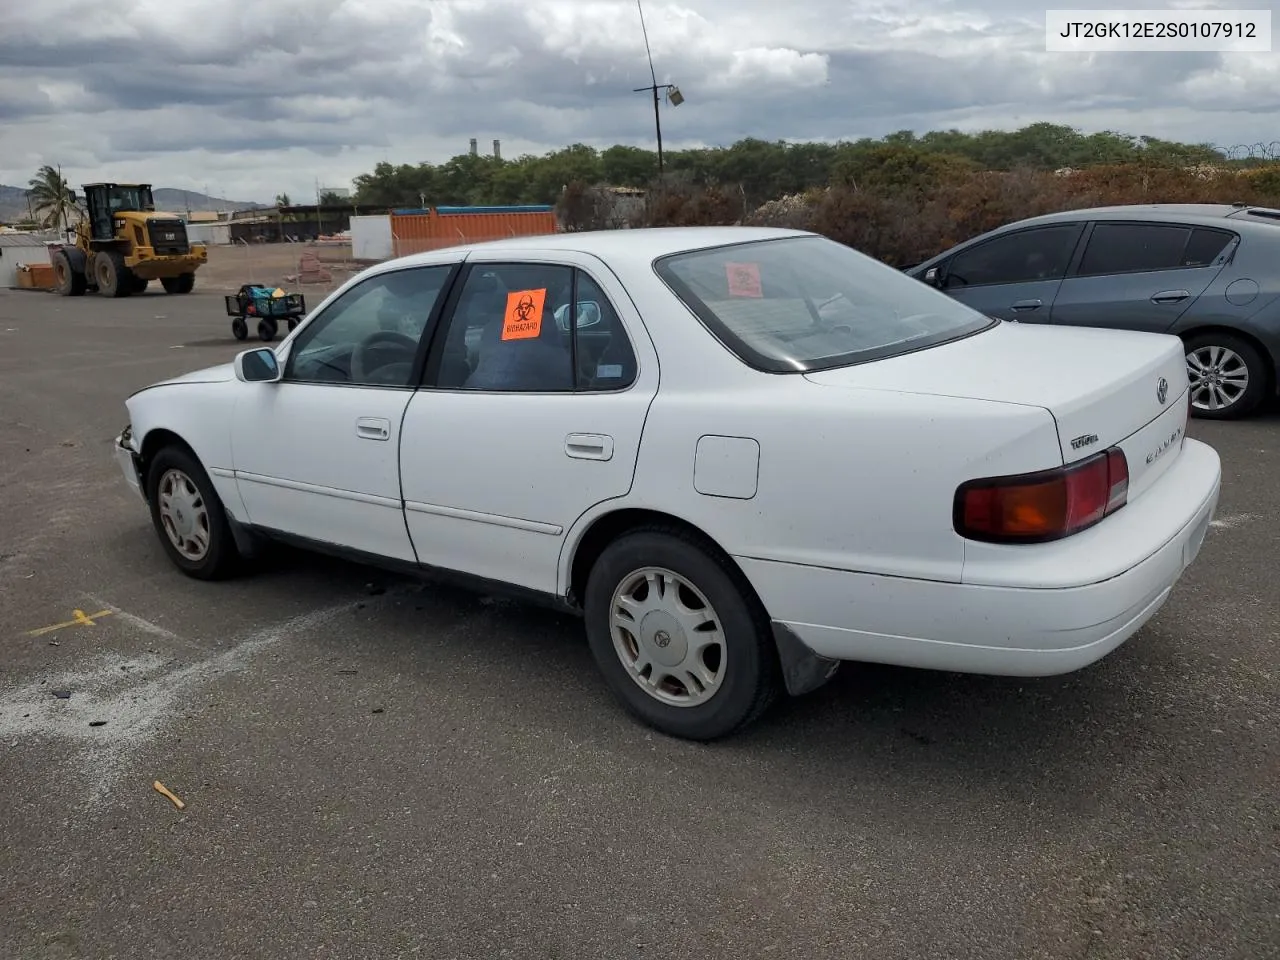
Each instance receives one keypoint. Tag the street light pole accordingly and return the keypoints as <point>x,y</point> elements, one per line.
<point>672,93</point>
<point>657,116</point>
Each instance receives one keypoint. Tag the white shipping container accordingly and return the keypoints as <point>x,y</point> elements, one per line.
<point>371,238</point>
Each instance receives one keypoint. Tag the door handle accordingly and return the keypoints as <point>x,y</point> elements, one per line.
<point>373,428</point>
<point>588,446</point>
<point>1027,305</point>
<point>1170,296</point>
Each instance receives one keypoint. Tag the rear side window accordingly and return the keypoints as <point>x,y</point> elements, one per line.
<point>1039,254</point>
<point>1205,246</point>
<point>1139,247</point>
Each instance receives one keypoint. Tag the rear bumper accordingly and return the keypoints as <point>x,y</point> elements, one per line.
<point>1008,630</point>
<point>127,461</point>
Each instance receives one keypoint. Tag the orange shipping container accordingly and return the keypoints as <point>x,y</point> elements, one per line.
<point>414,232</point>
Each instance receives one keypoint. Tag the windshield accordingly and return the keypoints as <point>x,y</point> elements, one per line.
<point>809,303</point>
<point>130,198</point>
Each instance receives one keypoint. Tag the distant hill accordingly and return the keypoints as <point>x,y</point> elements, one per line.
<point>13,202</point>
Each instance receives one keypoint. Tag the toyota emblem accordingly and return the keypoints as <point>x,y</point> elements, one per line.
<point>1162,390</point>
<point>662,638</point>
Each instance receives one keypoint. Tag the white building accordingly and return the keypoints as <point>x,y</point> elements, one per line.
<point>16,248</point>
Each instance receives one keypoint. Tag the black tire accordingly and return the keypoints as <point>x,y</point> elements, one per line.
<point>68,281</point>
<point>140,284</point>
<point>752,677</point>
<point>1258,370</point>
<point>182,283</point>
<point>267,330</point>
<point>293,322</point>
<point>112,277</point>
<point>239,329</point>
<point>221,559</point>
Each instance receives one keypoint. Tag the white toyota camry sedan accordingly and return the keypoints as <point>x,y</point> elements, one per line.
<point>742,455</point>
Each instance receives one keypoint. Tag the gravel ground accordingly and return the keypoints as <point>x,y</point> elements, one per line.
<point>372,767</point>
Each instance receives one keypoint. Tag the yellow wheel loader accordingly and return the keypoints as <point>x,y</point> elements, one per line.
<point>123,243</point>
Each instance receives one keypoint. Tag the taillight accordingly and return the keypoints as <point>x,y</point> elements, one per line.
<point>1039,507</point>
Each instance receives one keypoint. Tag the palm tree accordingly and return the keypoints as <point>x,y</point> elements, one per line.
<point>50,197</point>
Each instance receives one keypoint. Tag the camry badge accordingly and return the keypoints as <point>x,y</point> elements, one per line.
<point>1162,390</point>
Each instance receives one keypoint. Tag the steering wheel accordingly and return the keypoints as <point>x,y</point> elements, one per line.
<point>360,366</point>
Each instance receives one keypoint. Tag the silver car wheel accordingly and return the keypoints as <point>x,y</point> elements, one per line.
<point>1219,377</point>
<point>668,636</point>
<point>183,514</point>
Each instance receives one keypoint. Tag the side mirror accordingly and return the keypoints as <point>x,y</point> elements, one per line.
<point>257,366</point>
<point>588,315</point>
<point>931,276</point>
<point>71,196</point>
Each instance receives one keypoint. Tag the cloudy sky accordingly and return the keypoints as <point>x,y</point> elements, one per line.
<point>253,97</point>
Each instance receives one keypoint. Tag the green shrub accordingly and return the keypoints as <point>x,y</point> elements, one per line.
<point>903,206</point>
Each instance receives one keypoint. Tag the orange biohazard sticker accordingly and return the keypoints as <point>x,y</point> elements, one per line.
<point>523,319</point>
<point>744,279</point>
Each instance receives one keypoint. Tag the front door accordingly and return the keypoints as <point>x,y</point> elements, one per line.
<point>1014,276</point>
<point>535,396</point>
<point>1141,276</point>
<point>316,454</point>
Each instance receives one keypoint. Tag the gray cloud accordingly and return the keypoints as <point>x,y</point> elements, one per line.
<point>200,91</point>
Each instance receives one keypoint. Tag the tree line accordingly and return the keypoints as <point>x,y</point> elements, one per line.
<point>764,170</point>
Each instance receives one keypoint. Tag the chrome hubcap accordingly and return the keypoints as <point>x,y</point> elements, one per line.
<point>183,514</point>
<point>1219,377</point>
<point>668,636</point>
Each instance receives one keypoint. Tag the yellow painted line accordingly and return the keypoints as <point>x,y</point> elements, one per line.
<point>81,620</point>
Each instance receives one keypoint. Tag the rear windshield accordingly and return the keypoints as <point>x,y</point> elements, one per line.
<point>808,303</point>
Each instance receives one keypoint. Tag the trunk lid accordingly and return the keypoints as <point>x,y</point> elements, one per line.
<point>1102,387</point>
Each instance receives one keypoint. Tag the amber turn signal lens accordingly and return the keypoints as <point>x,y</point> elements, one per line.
<point>1039,507</point>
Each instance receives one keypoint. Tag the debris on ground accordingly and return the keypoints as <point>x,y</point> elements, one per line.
<point>161,789</point>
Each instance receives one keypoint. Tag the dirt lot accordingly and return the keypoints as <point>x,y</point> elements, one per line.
<point>270,263</point>
<point>373,768</point>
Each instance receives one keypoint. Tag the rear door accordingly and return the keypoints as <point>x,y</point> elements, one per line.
<point>526,419</point>
<point>1140,275</point>
<point>1014,276</point>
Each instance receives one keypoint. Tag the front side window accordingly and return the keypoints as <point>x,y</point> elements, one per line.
<point>370,335</point>
<point>808,303</point>
<point>1027,255</point>
<point>511,331</point>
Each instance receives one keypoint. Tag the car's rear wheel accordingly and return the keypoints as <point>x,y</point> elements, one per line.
<point>1228,376</point>
<point>679,635</point>
<point>188,516</point>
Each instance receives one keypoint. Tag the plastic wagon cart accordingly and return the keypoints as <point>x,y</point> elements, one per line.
<point>268,305</point>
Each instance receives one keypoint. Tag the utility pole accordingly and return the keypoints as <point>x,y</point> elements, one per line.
<point>673,93</point>
<point>62,200</point>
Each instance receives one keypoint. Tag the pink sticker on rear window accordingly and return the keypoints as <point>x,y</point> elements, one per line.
<point>744,279</point>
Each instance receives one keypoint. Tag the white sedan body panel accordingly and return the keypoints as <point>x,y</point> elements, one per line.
<point>195,407</point>
<point>833,491</point>
<point>492,481</point>
<point>322,461</point>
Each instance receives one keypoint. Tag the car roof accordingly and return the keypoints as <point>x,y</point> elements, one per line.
<point>1195,212</point>
<point>643,244</point>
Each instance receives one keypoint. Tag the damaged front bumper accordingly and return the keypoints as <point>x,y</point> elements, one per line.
<point>129,460</point>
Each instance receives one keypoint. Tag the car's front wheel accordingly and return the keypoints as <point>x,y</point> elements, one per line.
<point>188,516</point>
<point>1228,376</point>
<point>679,636</point>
